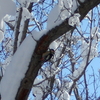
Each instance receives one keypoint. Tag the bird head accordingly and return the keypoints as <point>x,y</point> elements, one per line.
<point>52,51</point>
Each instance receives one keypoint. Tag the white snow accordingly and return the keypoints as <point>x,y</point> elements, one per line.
<point>10,19</point>
<point>64,9</point>
<point>17,69</point>
<point>35,0</point>
<point>57,83</point>
<point>20,35</point>
<point>26,14</point>
<point>60,12</point>
<point>2,25</point>
<point>94,32</point>
<point>52,22</point>
<point>25,3</point>
<point>1,35</point>
<point>7,18</point>
<point>75,5</point>
<point>43,86</point>
<point>80,69</point>
<point>49,71</point>
<point>68,85</point>
<point>54,45</point>
<point>85,50</point>
<point>6,63</point>
<point>38,90</point>
<point>63,95</point>
<point>94,51</point>
<point>77,72</point>
<point>6,7</point>
<point>98,35</point>
<point>38,34</point>
<point>74,20</point>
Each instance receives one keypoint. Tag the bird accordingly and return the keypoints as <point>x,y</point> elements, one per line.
<point>48,55</point>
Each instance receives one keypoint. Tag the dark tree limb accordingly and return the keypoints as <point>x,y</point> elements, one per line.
<point>17,27</point>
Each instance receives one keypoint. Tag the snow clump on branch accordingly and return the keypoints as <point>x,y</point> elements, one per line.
<point>74,20</point>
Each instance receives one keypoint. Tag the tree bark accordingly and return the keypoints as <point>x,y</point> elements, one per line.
<point>42,46</point>
<point>16,29</point>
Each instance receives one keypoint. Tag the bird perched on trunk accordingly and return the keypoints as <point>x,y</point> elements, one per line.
<point>48,55</point>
